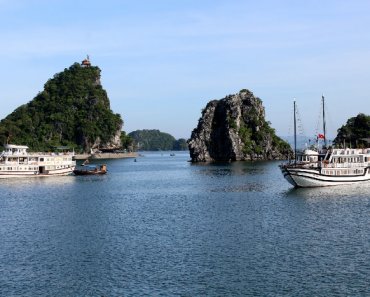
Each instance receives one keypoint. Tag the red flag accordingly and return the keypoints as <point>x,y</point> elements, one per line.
<point>321,136</point>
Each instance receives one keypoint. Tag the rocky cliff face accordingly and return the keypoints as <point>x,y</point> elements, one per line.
<point>234,128</point>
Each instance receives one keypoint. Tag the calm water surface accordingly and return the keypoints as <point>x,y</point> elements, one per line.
<point>162,226</point>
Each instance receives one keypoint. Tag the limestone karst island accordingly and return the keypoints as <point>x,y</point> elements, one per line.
<point>234,128</point>
<point>72,110</point>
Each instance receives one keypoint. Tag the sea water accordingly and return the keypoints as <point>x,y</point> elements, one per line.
<point>164,226</point>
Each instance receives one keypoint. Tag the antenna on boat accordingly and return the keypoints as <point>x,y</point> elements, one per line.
<point>295,134</point>
<point>323,118</point>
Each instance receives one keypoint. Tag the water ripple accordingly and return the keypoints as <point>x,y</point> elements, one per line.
<point>162,226</point>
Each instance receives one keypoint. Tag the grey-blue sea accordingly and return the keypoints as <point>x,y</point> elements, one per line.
<point>162,226</point>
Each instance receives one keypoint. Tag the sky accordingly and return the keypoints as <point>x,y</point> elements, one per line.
<point>163,60</point>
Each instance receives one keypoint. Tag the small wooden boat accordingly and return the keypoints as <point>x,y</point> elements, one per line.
<point>88,170</point>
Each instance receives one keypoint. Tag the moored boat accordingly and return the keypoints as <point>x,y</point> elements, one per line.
<point>335,167</point>
<point>16,161</point>
<point>91,170</point>
<point>326,166</point>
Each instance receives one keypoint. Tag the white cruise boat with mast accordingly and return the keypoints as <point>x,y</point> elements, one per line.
<point>16,161</point>
<point>328,166</point>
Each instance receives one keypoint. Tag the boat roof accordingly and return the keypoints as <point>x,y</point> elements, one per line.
<point>310,152</point>
<point>11,146</point>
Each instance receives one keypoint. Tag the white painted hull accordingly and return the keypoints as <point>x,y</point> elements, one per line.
<point>302,177</point>
<point>19,174</point>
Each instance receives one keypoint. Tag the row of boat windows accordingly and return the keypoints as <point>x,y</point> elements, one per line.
<point>343,172</point>
<point>20,168</point>
<point>31,168</point>
<point>335,160</point>
<point>307,159</point>
<point>56,167</point>
<point>351,152</point>
<point>23,160</point>
<point>350,160</point>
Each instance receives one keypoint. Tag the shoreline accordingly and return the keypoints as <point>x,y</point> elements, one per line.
<point>105,156</point>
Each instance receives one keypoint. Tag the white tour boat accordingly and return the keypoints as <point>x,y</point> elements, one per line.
<point>335,167</point>
<point>16,161</point>
<point>327,167</point>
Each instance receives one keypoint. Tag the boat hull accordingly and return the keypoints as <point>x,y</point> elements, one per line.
<point>88,172</point>
<point>34,173</point>
<point>305,178</point>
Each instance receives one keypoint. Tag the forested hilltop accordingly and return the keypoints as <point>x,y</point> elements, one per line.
<point>355,133</point>
<point>72,110</point>
<point>155,140</point>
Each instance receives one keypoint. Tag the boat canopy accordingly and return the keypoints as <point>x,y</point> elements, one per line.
<point>309,152</point>
<point>13,146</point>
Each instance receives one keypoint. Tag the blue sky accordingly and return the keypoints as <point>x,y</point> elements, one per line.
<point>163,60</point>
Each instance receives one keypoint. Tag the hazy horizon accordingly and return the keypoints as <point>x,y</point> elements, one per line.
<point>163,61</point>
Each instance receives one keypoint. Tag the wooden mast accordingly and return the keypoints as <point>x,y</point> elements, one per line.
<point>295,135</point>
<point>323,119</point>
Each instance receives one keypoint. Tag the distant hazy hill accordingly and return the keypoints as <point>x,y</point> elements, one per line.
<point>73,110</point>
<point>155,140</point>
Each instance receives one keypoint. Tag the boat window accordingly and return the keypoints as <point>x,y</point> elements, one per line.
<point>41,159</point>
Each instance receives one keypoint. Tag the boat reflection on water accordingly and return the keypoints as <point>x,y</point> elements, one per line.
<point>337,192</point>
<point>29,184</point>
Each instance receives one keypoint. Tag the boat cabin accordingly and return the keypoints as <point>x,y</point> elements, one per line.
<point>350,156</point>
<point>308,156</point>
<point>15,150</point>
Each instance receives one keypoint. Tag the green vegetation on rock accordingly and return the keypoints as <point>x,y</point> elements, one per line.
<point>354,132</point>
<point>72,110</point>
<point>155,140</point>
<point>126,141</point>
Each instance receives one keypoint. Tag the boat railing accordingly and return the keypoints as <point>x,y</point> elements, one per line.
<point>15,154</point>
<point>343,165</point>
<point>49,154</point>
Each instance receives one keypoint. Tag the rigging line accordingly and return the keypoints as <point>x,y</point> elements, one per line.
<point>329,119</point>
<point>290,127</point>
<point>299,122</point>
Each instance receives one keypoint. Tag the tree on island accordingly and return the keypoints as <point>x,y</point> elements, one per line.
<point>355,133</point>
